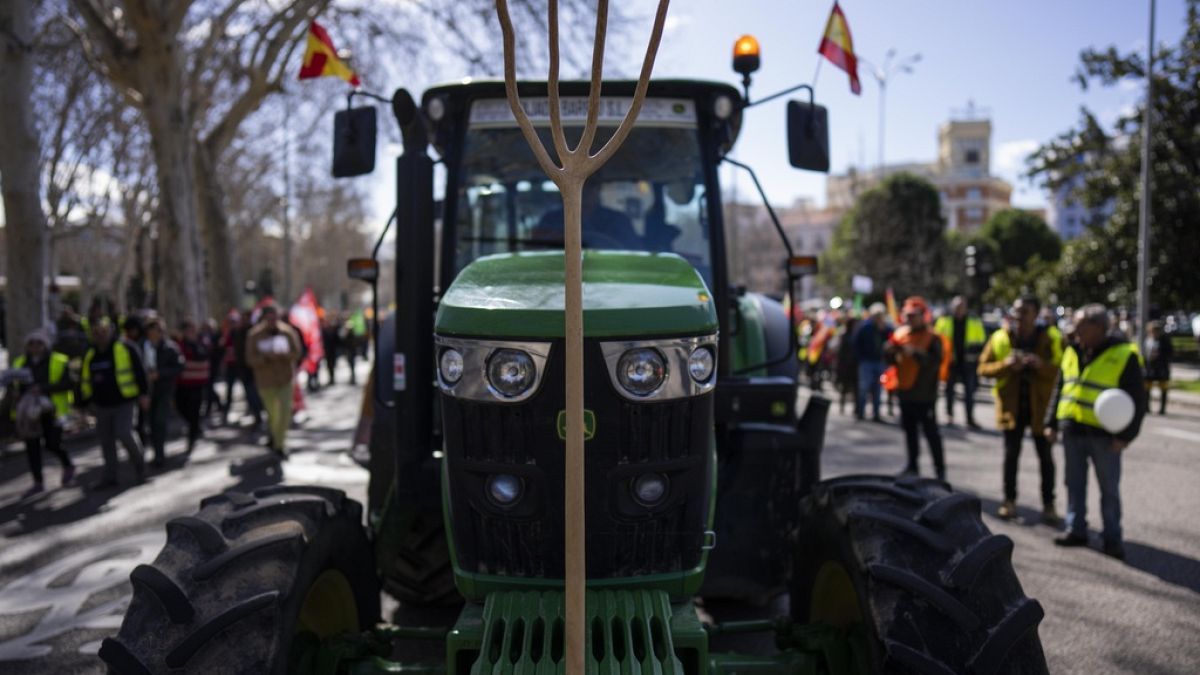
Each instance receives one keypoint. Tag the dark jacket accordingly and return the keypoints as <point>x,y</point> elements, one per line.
<point>868,341</point>
<point>1131,381</point>
<point>104,381</point>
<point>1158,360</point>
<point>929,364</point>
<point>168,364</point>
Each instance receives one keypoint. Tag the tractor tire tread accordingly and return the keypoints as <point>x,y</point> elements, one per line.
<point>925,535</point>
<point>207,536</point>
<point>120,660</point>
<point>183,652</point>
<point>213,566</point>
<point>917,585</point>
<point>937,512</point>
<point>165,591</point>
<point>937,589</point>
<point>1011,629</point>
<point>965,571</point>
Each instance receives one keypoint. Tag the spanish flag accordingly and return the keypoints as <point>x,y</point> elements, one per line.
<point>321,59</point>
<point>837,46</point>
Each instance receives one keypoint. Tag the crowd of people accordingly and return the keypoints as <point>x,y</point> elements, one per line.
<point>1046,381</point>
<point>130,376</point>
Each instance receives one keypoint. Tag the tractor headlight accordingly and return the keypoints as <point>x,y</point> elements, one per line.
<point>451,366</point>
<point>504,489</point>
<point>700,364</point>
<point>511,372</point>
<point>649,489</point>
<point>641,371</point>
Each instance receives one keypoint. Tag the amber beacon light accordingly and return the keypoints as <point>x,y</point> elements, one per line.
<point>746,55</point>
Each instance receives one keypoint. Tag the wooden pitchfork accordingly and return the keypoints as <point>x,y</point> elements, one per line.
<point>577,165</point>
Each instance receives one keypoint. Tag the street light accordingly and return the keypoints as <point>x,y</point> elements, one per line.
<point>891,65</point>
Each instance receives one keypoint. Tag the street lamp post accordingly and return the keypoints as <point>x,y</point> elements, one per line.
<point>1143,302</point>
<point>891,65</point>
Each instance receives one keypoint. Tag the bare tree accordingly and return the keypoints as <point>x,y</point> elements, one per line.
<point>20,153</point>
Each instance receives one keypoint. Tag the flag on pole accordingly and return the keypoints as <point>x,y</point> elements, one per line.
<point>837,46</point>
<point>890,299</point>
<point>321,59</point>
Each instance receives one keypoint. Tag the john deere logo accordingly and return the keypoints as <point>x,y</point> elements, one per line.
<point>589,425</point>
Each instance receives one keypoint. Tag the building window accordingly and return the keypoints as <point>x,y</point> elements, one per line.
<point>974,213</point>
<point>972,156</point>
<point>974,194</point>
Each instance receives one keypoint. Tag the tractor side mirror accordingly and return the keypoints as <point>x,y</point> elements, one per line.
<point>808,136</point>
<point>354,142</point>
<point>363,269</point>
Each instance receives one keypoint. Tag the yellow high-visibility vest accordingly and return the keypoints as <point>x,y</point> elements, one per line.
<point>976,335</point>
<point>58,367</point>
<point>1056,343</point>
<point>1080,389</point>
<point>122,364</point>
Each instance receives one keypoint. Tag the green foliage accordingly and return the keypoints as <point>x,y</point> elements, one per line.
<point>1037,277</point>
<point>893,235</point>
<point>1102,264</point>
<point>1018,236</point>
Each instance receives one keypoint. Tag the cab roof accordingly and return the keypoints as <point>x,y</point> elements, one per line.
<point>704,92</point>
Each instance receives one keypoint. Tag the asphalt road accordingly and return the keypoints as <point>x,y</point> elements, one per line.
<point>65,557</point>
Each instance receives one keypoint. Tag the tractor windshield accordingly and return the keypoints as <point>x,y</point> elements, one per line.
<point>649,197</point>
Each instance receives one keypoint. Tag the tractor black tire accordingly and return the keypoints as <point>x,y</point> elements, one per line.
<point>226,592</point>
<point>418,572</point>
<point>935,590</point>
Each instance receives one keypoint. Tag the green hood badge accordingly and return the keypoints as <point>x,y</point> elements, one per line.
<point>589,425</point>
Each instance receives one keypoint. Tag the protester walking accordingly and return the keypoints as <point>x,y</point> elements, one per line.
<point>112,382</point>
<point>164,363</point>
<point>273,351</point>
<point>331,343</point>
<point>49,377</point>
<point>966,335</point>
<point>916,351</point>
<point>1020,359</point>
<point>869,338</point>
<point>847,365</point>
<point>1159,351</point>
<point>245,373</point>
<point>194,381</point>
<point>1097,362</point>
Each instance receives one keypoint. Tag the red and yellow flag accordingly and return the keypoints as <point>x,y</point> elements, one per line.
<point>321,59</point>
<point>837,46</point>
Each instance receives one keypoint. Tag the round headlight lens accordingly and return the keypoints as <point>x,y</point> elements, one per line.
<point>504,489</point>
<point>511,372</point>
<point>436,109</point>
<point>649,489</point>
<point>451,366</point>
<point>700,364</point>
<point>723,107</point>
<point>641,371</point>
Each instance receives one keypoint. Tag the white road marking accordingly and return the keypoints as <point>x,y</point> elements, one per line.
<point>94,569</point>
<point>1178,433</point>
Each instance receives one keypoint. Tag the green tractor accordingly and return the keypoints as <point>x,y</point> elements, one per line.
<point>712,544</point>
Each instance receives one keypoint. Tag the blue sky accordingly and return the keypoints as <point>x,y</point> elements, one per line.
<point>1014,58</point>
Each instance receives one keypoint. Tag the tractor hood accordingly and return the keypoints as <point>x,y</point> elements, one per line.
<point>625,294</point>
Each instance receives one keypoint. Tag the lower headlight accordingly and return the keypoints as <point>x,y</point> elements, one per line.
<point>700,364</point>
<point>649,489</point>
<point>504,489</point>
<point>511,372</point>
<point>641,371</point>
<point>451,366</point>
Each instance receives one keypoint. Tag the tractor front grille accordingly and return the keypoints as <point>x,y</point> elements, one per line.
<point>672,438</point>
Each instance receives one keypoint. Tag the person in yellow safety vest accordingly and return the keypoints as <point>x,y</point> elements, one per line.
<point>1048,319</point>
<point>49,377</point>
<point>113,380</point>
<point>1098,361</point>
<point>966,335</point>
<point>1020,359</point>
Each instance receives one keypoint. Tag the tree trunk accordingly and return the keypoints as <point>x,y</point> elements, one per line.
<point>20,155</point>
<point>224,277</point>
<point>180,291</point>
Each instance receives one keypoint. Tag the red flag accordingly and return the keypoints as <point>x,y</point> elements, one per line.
<point>837,46</point>
<point>321,59</point>
<point>303,316</point>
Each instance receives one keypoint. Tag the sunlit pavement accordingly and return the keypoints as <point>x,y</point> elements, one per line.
<point>1102,615</point>
<point>65,556</point>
